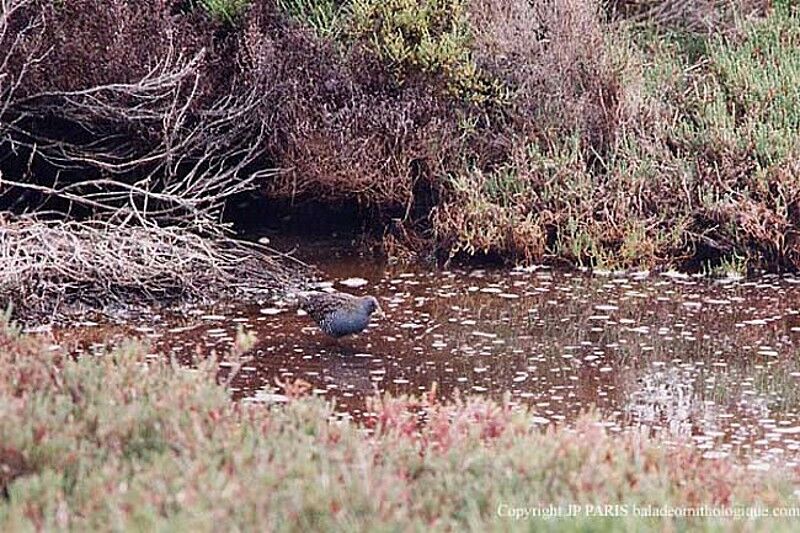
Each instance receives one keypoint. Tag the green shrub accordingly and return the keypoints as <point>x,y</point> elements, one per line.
<point>423,36</point>
<point>227,11</point>
<point>754,101</point>
<point>325,16</point>
<point>730,94</point>
<point>631,146</point>
<point>722,110</point>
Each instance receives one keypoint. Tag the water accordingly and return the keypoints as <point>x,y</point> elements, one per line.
<point>713,361</point>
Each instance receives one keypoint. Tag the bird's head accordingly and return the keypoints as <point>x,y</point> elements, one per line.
<point>373,306</point>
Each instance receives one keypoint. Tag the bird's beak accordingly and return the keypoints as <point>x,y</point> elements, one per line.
<point>379,312</point>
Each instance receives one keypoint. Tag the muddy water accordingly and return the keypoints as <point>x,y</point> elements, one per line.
<point>714,361</point>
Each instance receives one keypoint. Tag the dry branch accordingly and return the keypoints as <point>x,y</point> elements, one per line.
<point>46,263</point>
<point>139,167</point>
<point>181,175</point>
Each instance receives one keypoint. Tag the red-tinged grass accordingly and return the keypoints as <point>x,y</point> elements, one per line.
<point>123,442</point>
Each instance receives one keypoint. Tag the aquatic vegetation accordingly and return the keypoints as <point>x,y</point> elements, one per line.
<point>731,267</point>
<point>124,440</point>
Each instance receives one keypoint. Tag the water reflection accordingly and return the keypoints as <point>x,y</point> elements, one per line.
<point>713,361</point>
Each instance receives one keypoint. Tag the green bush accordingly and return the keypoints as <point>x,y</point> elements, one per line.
<point>227,11</point>
<point>698,147</point>
<point>422,36</point>
<point>325,16</point>
<point>753,101</point>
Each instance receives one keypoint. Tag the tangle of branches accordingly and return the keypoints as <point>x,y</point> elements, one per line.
<point>120,182</point>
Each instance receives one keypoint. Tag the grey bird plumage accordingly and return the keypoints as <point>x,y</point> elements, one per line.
<point>338,314</point>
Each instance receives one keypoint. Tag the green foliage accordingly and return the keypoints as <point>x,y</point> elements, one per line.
<point>733,94</point>
<point>704,152</point>
<point>733,266</point>
<point>785,5</point>
<point>227,11</point>
<point>325,16</point>
<point>427,36</point>
<point>756,100</point>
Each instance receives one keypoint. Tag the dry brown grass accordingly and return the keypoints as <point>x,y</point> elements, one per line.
<point>555,61</point>
<point>702,16</point>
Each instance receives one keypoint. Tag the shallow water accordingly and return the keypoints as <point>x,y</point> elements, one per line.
<point>714,361</point>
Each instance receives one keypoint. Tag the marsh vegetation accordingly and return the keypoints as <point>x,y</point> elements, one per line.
<point>128,441</point>
<point>159,152</point>
<point>614,135</point>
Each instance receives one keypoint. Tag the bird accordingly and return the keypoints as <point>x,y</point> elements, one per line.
<point>337,313</point>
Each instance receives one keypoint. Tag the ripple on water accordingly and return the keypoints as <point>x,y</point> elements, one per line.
<point>670,353</point>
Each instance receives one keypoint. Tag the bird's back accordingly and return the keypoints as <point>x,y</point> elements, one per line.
<point>337,314</point>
